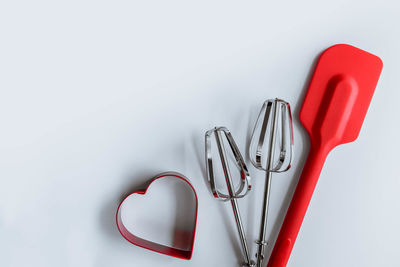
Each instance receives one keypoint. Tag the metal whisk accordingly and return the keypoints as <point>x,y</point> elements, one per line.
<point>232,194</point>
<point>271,150</point>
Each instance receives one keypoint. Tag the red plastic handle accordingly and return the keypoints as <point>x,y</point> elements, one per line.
<point>298,207</point>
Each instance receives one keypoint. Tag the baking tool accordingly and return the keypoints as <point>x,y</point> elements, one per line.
<point>332,113</point>
<point>272,139</point>
<point>188,238</point>
<point>232,194</point>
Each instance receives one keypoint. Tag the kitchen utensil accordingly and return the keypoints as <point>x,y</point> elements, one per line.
<point>333,111</point>
<point>271,150</point>
<point>186,238</point>
<point>232,194</point>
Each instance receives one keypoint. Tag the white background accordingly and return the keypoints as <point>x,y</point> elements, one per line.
<point>96,97</point>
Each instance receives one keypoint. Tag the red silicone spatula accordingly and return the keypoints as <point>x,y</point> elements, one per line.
<point>332,113</point>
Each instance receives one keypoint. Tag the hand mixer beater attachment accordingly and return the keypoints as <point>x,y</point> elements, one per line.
<point>271,150</point>
<point>232,194</point>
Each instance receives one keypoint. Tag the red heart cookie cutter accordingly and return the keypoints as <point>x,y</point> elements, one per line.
<point>185,254</point>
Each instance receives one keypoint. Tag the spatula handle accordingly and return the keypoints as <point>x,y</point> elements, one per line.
<point>298,207</point>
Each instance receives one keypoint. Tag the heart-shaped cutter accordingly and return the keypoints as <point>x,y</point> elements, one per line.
<point>185,254</point>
